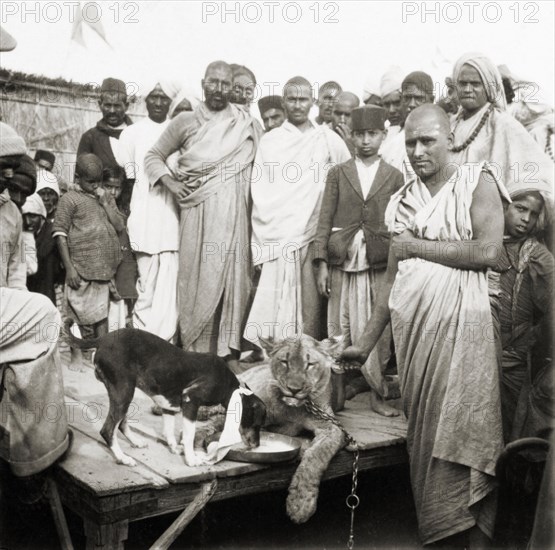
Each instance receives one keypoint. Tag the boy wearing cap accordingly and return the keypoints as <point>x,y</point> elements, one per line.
<point>353,241</point>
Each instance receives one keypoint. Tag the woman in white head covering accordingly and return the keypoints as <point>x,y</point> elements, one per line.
<point>484,131</point>
<point>49,191</point>
<point>48,269</point>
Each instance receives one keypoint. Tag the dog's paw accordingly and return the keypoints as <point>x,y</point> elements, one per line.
<point>137,442</point>
<point>301,502</point>
<point>127,461</point>
<point>175,448</point>
<point>195,459</point>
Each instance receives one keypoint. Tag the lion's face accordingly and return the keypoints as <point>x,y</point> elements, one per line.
<point>301,367</point>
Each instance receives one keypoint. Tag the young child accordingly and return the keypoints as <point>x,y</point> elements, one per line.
<point>352,239</point>
<point>85,229</point>
<point>524,305</point>
<point>127,273</point>
<point>49,270</point>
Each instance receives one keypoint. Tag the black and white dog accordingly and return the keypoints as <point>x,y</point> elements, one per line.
<point>176,380</point>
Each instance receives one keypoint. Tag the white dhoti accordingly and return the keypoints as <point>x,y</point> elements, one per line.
<point>358,297</point>
<point>287,302</point>
<point>156,307</point>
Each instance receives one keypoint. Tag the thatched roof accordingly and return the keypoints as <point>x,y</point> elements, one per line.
<point>12,81</point>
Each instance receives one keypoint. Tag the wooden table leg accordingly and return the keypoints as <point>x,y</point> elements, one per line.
<point>58,515</point>
<point>109,536</point>
<point>206,492</point>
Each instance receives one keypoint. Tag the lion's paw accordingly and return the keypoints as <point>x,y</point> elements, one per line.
<point>301,500</point>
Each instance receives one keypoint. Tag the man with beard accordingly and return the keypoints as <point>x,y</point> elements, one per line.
<point>214,150</point>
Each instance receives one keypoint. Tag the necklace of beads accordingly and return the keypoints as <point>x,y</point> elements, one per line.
<point>548,149</point>
<point>472,136</point>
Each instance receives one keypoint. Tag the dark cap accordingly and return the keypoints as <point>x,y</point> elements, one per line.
<point>269,102</point>
<point>41,154</point>
<point>113,85</point>
<point>423,81</point>
<point>369,117</point>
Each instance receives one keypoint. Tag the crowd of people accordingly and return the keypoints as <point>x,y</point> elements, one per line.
<point>418,232</point>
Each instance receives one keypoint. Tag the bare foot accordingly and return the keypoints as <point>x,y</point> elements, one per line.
<point>377,404</point>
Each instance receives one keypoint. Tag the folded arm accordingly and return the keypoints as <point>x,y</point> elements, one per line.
<point>480,252</point>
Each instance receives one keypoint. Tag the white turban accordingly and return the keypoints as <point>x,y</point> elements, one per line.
<point>47,180</point>
<point>391,81</point>
<point>34,205</point>
<point>371,87</point>
<point>489,73</point>
<point>184,93</point>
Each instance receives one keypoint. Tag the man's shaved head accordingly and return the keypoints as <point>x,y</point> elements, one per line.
<point>346,102</point>
<point>215,65</point>
<point>331,85</point>
<point>297,100</point>
<point>348,98</point>
<point>429,114</point>
<point>297,81</point>
<point>428,140</point>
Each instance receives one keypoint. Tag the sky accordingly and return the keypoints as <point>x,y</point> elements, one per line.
<point>349,42</point>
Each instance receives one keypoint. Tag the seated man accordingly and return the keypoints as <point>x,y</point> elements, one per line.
<point>30,369</point>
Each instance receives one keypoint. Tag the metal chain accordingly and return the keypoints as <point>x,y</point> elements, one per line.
<point>352,501</point>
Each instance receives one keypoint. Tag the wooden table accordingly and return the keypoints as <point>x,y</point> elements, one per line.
<point>108,496</point>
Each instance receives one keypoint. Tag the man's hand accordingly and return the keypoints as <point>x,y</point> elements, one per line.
<point>177,188</point>
<point>353,353</point>
<point>103,196</point>
<point>344,131</point>
<point>72,278</point>
<point>404,245</point>
<point>323,279</point>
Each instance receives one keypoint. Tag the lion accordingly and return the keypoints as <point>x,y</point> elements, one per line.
<point>300,370</point>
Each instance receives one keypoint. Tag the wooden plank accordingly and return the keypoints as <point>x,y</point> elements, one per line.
<point>205,493</point>
<point>156,456</point>
<point>90,465</point>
